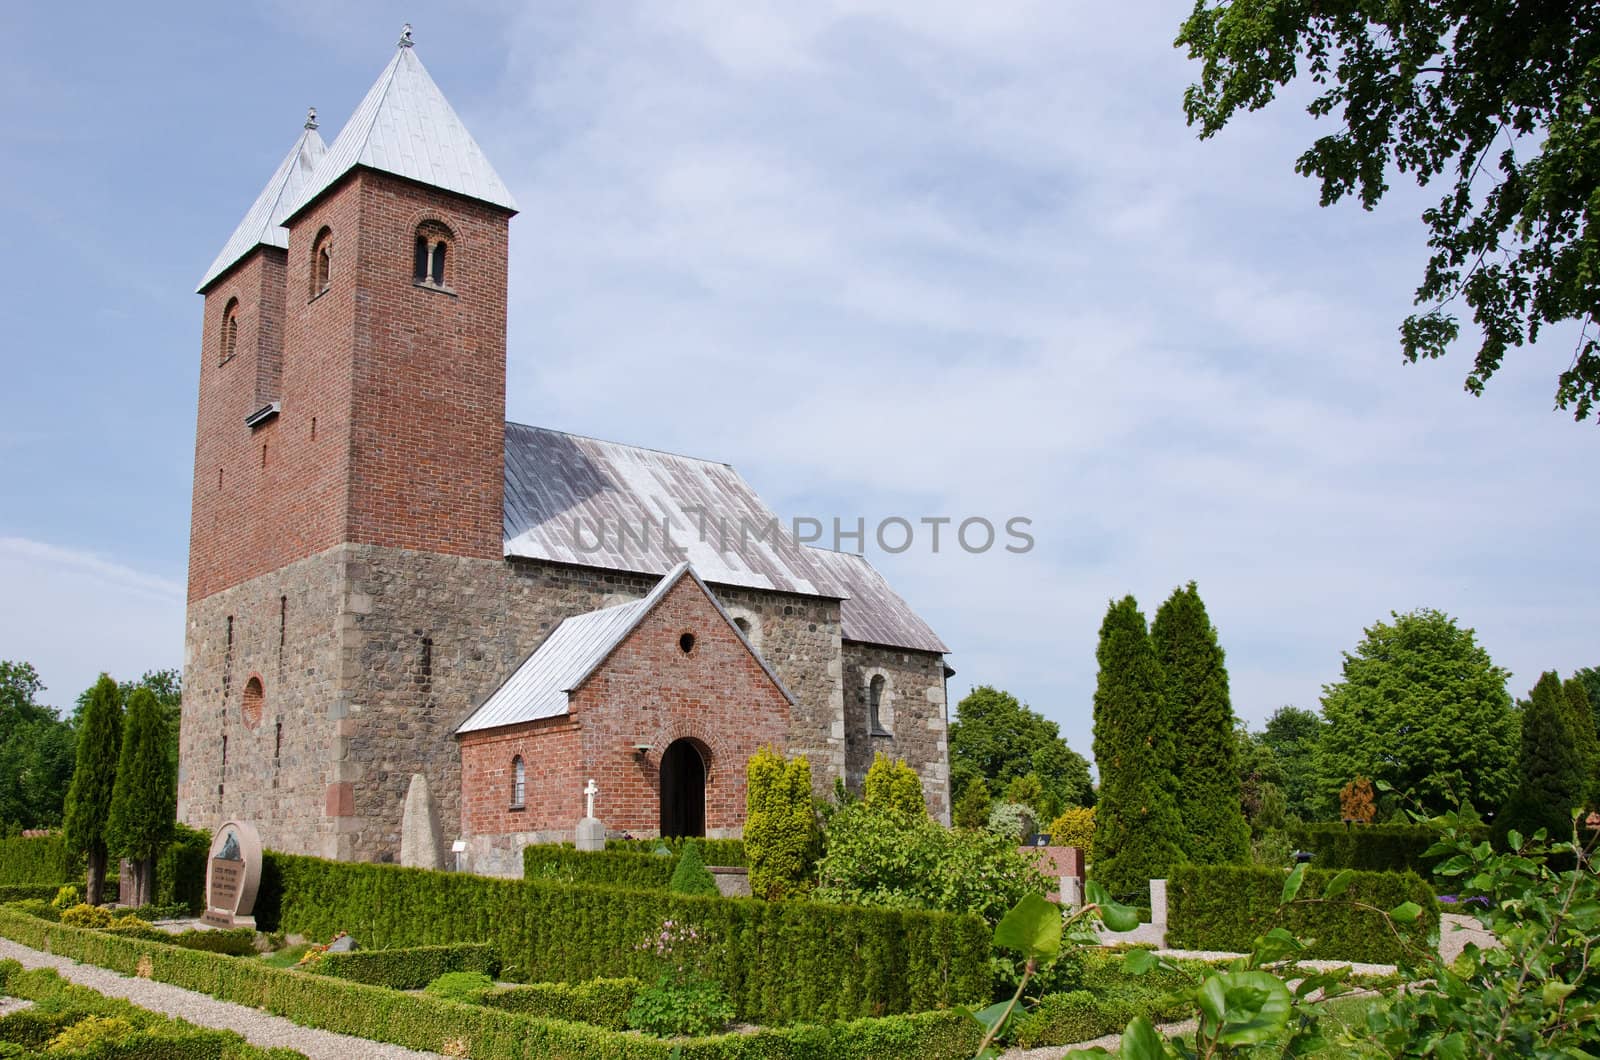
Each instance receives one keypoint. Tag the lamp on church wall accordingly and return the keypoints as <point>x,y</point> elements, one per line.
<point>641,751</point>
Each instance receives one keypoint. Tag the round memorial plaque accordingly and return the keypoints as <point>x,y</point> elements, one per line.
<point>233,875</point>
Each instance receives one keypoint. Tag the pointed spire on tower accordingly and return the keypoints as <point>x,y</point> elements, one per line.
<point>263,222</point>
<point>406,127</point>
<point>405,37</point>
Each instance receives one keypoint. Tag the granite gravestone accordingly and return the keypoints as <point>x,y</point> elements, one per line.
<point>233,875</point>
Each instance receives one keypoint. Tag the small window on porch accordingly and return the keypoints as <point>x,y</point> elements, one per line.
<point>519,783</point>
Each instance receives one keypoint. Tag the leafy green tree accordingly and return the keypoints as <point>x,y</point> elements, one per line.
<point>94,775</point>
<point>1138,834</point>
<point>1292,736</point>
<point>892,785</point>
<point>1588,744</point>
<point>1551,766</point>
<point>36,751</point>
<point>1208,792</point>
<point>999,739</point>
<point>1423,707</point>
<point>144,797</point>
<point>1499,97</point>
<point>972,808</point>
<point>780,825</point>
<point>691,876</point>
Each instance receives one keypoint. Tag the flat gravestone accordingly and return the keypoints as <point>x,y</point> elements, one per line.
<point>233,875</point>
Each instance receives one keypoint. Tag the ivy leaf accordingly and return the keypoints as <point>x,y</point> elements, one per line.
<point>1406,912</point>
<point>1033,927</point>
<point>1339,884</point>
<point>1291,886</point>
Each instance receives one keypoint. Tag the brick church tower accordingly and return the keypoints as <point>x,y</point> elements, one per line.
<point>348,478</point>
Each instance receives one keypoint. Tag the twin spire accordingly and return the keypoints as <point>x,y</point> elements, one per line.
<point>404,126</point>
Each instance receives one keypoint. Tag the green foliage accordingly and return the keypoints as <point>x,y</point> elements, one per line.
<point>1589,678</point>
<point>91,1033</point>
<point>1373,847</point>
<point>601,1002</point>
<point>1136,819</point>
<point>41,859</point>
<point>1584,736</point>
<point>1291,737</point>
<point>837,963</point>
<point>66,897</point>
<point>691,875</point>
<point>972,807</point>
<point>673,1007</point>
<point>1423,708</point>
<point>86,916</point>
<point>417,1021</point>
<point>1012,820</point>
<point>1200,709</point>
<point>36,751</point>
<point>616,868</point>
<point>1224,907</point>
<point>144,796</point>
<point>181,869</point>
<point>996,738</point>
<point>1501,100</point>
<point>899,861</point>
<point>94,773</point>
<point>236,942</point>
<point>461,986</point>
<point>408,968</point>
<point>780,827</point>
<point>712,851</point>
<point>1554,780</point>
<point>893,785</point>
<point>23,892</point>
<point>1075,828</point>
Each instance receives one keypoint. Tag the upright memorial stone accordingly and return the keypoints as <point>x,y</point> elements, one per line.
<point>233,875</point>
<point>591,834</point>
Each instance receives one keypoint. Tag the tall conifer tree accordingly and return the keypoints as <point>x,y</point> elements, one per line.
<point>144,798</point>
<point>93,777</point>
<point>1588,742</point>
<point>1551,764</point>
<point>1138,835</point>
<point>1208,791</point>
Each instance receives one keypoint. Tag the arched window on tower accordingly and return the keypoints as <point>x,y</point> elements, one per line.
<point>519,783</point>
<point>230,330</point>
<point>429,253</point>
<point>875,707</point>
<point>322,262</point>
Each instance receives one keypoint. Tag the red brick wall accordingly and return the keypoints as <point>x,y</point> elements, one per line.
<point>402,386</point>
<point>647,692</point>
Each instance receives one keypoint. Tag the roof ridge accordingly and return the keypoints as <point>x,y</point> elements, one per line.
<point>613,441</point>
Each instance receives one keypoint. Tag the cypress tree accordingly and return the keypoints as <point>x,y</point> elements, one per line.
<point>1137,834</point>
<point>93,777</point>
<point>780,831</point>
<point>691,876</point>
<point>144,797</point>
<point>1580,713</point>
<point>1208,791</point>
<point>1551,764</point>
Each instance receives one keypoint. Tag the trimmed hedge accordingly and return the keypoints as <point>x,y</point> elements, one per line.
<point>181,870</point>
<point>418,1021</point>
<point>37,860</point>
<point>602,1002</point>
<point>778,962</point>
<point>411,968</point>
<point>1225,907</point>
<point>612,868</point>
<point>725,852</point>
<point>1371,847</point>
<point>23,892</point>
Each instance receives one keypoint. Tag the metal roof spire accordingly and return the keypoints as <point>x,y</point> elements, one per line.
<point>405,36</point>
<point>311,117</point>
<point>263,222</point>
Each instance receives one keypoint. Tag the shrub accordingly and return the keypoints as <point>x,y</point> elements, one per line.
<point>89,916</point>
<point>460,986</point>
<point>26,892</point>
<point>677,1008</point>
<point>602,1002</point>
<point>1224,907</point>
<point>892,785</point>
<point>1012,820</point>
<point>36,860</point>
<point>1062,1019</point>
<point>903,862</point>
<point>780,827</point>
<point>411,968</point>
<point>92,1032</point>
<point>1372,847</point>
<point>66,898</point>
<point>181,870</point>
<point>617,868</point>
<point>972,807</point>
<point>712,851</point>
<point>235,942</point>
<point>1075,828</point>
<point>691,875</point>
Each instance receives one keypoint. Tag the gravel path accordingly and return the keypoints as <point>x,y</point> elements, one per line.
<point>259,1028</point>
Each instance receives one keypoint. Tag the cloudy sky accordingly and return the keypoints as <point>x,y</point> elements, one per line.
<point>914,259</point>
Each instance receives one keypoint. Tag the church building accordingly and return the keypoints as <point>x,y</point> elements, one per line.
<point>387,580</point>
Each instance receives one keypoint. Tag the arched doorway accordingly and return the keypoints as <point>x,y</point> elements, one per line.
<point>683,790</point>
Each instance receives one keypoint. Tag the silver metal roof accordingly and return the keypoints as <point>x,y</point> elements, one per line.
<point>541,687</point>
<point>570,499</point>
<point>872,612</point>
<point>405,126</point>
<point>263,222</point>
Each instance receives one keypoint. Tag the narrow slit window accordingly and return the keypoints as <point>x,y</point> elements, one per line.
<point>519,782</point>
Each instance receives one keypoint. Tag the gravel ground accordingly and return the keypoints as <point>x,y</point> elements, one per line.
<point>259,1028</point>
<point>8,1005</point>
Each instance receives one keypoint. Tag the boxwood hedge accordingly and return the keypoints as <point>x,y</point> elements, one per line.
<point>37,860</point>
<point>1224,907</point>
<point>410,968</point>
<point>602,1002</point>
<point>1371,847</point>
<point>778,962</point>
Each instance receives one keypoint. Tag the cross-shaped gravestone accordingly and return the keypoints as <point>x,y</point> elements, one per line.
<point>590,791</point>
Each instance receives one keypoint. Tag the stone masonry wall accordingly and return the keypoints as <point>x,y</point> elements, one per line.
<point>913,711</point>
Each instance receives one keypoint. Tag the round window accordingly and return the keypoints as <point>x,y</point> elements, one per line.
<point>686,643</point>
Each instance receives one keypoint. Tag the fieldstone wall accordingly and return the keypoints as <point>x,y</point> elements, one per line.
<point>913,712</point>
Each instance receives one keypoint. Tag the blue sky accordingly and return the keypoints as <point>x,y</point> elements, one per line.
<point>914,259</point>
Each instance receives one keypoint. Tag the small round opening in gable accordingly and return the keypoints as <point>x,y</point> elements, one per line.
<point>254,703</point>
<point>686,643</point>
